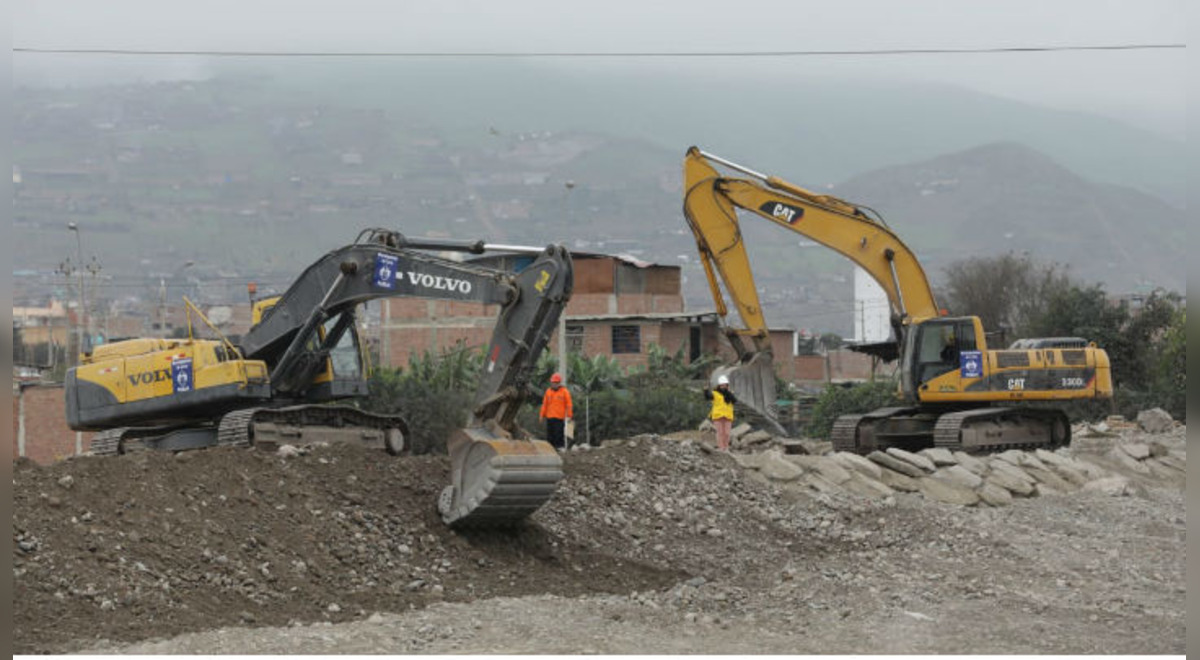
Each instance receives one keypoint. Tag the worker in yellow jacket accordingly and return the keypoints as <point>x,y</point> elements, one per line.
<point>556,410</point>
<point>722,411</point>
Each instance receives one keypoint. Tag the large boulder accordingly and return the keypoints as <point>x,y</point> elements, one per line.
<point>973,464</point>
<point>852,461</point>
<point>1011,456</point>
<point>916,459</point>
<point>1122,458</point>
<point>1050,479</point>
<point>826,466</point>
<point>939,455</point>
<point>1011,470</point>
<point>1015,485</point>
<point>860,484</point>
<point>1155,420</point>
<point>892,463</point>
<point>819,483</point>
<point>1028,460</point>
<point>960,475</point>
<point>945,491</point>
<point>754,438</point>
<point>897,481</point>
<point>994,495</point>
<point>1050,458</point>
<point>778,469</point>
<point>771,464</point>
<point>751,461</point>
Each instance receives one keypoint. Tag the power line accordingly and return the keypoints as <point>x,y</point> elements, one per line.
<point>593,54</point>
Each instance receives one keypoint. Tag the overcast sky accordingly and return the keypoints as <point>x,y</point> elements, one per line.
<point>1146,88</point>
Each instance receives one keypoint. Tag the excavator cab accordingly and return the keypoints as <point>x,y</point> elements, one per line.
<point>937,347</point>
<point>333,360</point>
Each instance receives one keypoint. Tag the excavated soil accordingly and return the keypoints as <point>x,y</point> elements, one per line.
<point>651,545</point>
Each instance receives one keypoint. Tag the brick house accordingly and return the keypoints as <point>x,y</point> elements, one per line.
<point>620,306</point>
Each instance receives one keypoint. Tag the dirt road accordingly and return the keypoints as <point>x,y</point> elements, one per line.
<point>652,545</point>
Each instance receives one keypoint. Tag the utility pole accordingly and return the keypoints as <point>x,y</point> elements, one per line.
<point>67,269</point>
<point>162,296</point>
<point>80,348</point>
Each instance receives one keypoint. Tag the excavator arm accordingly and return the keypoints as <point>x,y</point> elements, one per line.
<point>710,200</point>
<point>498,475</point>
<point>710,204</point>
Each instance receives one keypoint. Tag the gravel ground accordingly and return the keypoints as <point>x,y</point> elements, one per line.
<point>652,545</point>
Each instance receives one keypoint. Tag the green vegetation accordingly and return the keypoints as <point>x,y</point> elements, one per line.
<point>836,401</point>
<point>1145,346</point>
<point>434,395</point>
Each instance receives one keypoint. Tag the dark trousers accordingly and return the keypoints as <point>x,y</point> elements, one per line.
<point>555,432</point>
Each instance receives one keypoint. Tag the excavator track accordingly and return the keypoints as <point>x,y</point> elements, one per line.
<point>856,433</point>
<point>129,440</point>
<point>306,424</point>
<point>107,443</point>
<point>845,433</point>
<point>998,429</point>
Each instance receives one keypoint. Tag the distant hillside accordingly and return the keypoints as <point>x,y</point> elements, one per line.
<point>803,125</point>
<point>1001,197</point>
<point>249,178</point>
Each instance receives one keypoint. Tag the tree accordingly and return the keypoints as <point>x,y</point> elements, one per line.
<point>1005,292</point>
<point>1146,349</point>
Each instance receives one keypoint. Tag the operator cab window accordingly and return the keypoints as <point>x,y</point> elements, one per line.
<point>345,357</point>
<point>940,344</point>
<point>935,338</point>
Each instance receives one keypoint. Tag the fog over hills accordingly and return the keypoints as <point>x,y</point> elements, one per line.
<point>1007,196</point>
<point>812,129</point>
<point>253,175</point>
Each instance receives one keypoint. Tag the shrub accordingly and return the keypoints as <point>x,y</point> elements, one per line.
<point>433,395</point>
<point>836,401</point>
<point>657,409</point>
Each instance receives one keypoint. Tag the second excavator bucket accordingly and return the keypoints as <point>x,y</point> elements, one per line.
<point>752,381</point>
<point>497,480</point>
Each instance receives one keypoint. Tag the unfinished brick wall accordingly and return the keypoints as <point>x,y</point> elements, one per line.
<point>404,341</point>
<point>40,424</point>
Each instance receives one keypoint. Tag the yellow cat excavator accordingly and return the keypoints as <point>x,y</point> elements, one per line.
<point>954,390</point>
<point>279,382</point>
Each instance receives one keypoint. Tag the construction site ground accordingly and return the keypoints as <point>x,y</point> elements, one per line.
<point>652,545</point>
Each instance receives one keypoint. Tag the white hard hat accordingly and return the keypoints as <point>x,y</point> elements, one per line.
<point>722,380</point>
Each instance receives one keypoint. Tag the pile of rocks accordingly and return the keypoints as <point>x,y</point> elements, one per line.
<point>955,477</point>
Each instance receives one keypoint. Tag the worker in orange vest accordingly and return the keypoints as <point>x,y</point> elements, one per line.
<point>556,410</point>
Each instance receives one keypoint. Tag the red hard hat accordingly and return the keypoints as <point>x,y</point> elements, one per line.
<point>556,378</point>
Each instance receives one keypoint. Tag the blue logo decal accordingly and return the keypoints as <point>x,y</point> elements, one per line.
<point>971,364</point>
<point>181,375</point>
<point>385,271</point>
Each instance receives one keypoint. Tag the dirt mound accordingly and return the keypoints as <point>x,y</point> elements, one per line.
<point>656,538</point>
<point>152,545</point>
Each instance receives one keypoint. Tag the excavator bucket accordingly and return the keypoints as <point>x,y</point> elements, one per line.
<point>752,381</point>
<point>497,480</point>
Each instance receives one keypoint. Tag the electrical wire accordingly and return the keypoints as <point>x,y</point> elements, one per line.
<point>594,54</point>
